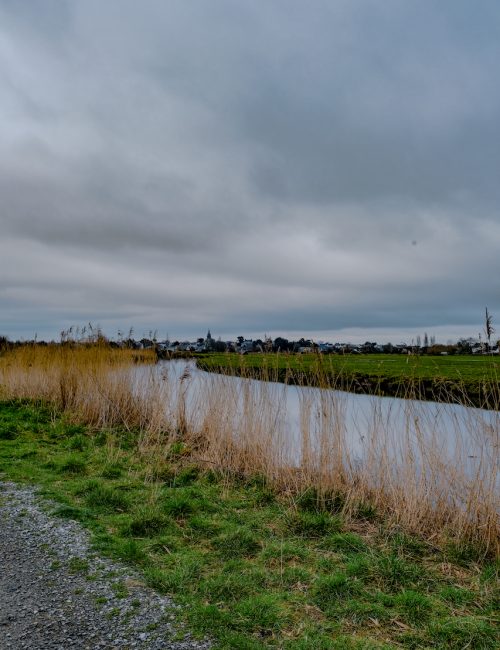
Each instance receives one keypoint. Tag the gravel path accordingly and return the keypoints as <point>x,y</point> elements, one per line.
<point>55,593</point>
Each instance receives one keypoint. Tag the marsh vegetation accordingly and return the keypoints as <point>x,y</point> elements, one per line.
<point>200,488</point>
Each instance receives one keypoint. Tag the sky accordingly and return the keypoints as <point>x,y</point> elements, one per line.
<point>327,169</point>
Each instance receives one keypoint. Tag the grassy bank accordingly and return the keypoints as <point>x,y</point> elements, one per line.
<point>253,565</point>
<point>238,427</point>
<point>471,380</point>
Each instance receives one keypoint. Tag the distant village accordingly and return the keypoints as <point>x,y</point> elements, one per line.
<point>425,345</point>
<point>241,345</point>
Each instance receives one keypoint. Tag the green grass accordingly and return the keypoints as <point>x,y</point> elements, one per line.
<point>250,568</point>
<point>445,378</point>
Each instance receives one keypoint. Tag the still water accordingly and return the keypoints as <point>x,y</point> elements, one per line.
<point>302,422</point>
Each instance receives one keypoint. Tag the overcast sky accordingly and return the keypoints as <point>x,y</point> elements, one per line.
<point>328,168</point>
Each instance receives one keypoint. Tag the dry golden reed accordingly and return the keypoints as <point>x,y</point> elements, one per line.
<point>405,475</point>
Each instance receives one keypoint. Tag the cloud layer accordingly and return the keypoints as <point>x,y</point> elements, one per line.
<point>248,167</point>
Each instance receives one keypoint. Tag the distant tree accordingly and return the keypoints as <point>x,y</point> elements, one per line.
<point>464,346</point>
<point>438,348</point>
<point>280,344</point>
<point>219,346</point>
<point>488,327</point>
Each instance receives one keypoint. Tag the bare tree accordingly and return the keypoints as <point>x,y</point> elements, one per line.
<point>488,327</point>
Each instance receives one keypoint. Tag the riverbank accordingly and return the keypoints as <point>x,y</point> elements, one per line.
<point>253,566</point>
<point>469,380</point>
<point>424,474</point>
<point>56,592</point>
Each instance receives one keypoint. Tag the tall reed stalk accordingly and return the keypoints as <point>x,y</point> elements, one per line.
<point>401,469</point>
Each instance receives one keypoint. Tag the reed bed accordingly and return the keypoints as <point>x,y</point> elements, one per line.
<point>407,473</point>
<point>91,383</point>
<point>404,467</point>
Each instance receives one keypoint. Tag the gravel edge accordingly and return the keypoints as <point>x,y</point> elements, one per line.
<point>56,592</point>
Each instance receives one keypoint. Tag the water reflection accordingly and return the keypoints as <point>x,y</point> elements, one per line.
<point>300,420</point>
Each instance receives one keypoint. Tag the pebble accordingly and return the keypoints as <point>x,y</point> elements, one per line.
<point>44,605</point>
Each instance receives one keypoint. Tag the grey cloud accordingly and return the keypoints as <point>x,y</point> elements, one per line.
<point>256,166</point>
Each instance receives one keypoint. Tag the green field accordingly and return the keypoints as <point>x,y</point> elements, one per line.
<point>468,379</point>
<point>251,567</point>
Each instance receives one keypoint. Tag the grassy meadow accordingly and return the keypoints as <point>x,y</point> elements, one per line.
<point>466,379</point>
<point>260,554</point>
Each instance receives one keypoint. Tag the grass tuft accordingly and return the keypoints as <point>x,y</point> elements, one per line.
<point>394,572</point>
<point>344,542</point>
<point>148,522</point>
<point>105,498</point>
<point>72,464</point>
<point>465,632</point>
<point>259,614</point>
<point>415,607</point>
<point>313,524</point>
<point>240,542</point>
<point>329,589</point>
